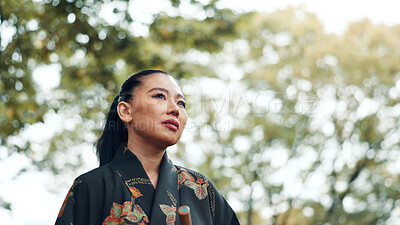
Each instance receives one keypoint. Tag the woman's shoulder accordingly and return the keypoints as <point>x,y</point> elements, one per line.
<point>96,175</point>
<point>183,170</point>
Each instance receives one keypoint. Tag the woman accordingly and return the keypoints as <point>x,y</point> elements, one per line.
<point>136,183</point>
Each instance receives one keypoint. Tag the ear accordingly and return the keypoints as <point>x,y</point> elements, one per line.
<point>124,112</point>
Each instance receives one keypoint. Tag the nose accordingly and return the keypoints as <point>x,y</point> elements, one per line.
<point>173,108</point>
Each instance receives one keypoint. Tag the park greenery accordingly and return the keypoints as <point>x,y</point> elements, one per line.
<point>292,124</point>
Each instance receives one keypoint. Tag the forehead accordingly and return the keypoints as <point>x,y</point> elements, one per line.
<point>161,81</point>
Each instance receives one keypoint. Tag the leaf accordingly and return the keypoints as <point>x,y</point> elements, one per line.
<point>126,208</point>
<point>201,191</point>
<point>183,176</point>
<point>171,219</point>
<point>133,217</point>
<point>167,210</point>
<point>190,184</point>
<point>116,210</point>
<point>111,220</point>
<point>139,210</point>
<point>135,192</point>
<point>187,176</point>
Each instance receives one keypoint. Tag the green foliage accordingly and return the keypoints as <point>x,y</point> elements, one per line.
<point>312,131</point>
<point>95,56</point>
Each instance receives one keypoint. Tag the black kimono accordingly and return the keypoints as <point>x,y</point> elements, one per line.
<point>121,193</point>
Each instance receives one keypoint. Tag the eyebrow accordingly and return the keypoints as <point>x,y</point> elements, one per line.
<point>166,91</point>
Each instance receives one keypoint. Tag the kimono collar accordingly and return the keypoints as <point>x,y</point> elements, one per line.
<point>159,204</point>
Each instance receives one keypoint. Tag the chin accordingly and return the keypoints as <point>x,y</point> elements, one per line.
<point>167,141</point>
<point>165,145</point>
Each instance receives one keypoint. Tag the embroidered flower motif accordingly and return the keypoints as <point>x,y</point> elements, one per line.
<point>183,175</point>
<point>126,208</point>
<point>200,190</point>
<point>115,214</point>
<point>199,186</point>
<point>200,181</point>
<point>120,213</point>
<point>170,212</point>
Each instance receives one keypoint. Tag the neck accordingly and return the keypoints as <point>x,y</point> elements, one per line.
<point>149,155</point>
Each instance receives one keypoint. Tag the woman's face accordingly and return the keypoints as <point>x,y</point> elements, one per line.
<point>157,111</point>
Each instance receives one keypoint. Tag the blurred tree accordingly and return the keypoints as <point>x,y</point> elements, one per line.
<point>317,137</point>
<point>94,45</point>
<point>303,127</point>
<point>63,61</point>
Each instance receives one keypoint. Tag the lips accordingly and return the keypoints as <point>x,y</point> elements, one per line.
<point>172,124</point>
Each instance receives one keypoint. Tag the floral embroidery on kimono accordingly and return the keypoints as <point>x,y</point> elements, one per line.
<point>199,186</point>
<point>120,192</point>
<point>120,214</point>
<point>170,213</point>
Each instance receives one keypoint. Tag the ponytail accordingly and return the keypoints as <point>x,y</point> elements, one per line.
<point>115,133</point>
<point>113,136</point>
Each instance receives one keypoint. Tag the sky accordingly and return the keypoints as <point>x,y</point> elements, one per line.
<point>335,15</point>
<point>44,205</point>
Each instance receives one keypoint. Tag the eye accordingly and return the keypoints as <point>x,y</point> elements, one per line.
<point>159,95</point>
<point>182,103</point>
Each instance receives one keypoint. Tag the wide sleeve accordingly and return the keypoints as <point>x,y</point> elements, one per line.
<point>77,207</point>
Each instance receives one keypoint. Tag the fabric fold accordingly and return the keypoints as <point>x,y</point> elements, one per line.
<point>166,197</point>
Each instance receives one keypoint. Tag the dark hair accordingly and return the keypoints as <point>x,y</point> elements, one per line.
<point>115,133</point>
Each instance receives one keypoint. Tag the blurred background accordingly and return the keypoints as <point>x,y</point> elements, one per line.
<point>294,105</point>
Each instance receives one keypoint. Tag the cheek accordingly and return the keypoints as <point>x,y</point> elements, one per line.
<point>150,108</point>
<point>183,118</point>
<point>155,108</point>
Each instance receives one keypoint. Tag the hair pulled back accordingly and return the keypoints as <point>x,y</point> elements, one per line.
<point>115,133</point>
